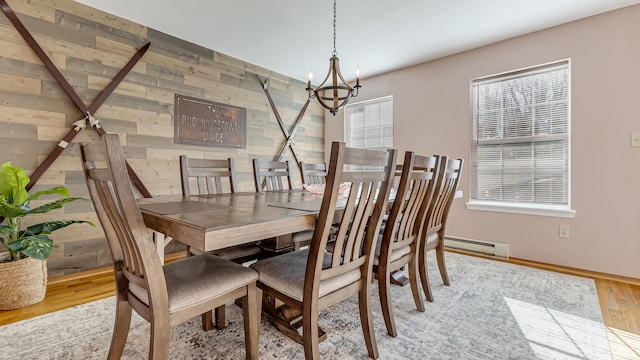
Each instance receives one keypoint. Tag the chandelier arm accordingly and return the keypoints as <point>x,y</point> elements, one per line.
<point>324,81</point>
<point>335,72</point>
<point>339,74</point>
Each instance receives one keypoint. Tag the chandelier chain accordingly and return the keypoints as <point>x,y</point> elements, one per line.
<point>334,28</point>
<point>334,92</point>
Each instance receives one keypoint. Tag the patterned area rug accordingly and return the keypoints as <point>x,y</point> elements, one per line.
<point>492,310</point>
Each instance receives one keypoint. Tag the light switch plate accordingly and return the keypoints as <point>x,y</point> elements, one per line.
<point>635,139</point>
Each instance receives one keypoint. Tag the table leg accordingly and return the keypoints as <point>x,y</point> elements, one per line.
<point>161,241</point>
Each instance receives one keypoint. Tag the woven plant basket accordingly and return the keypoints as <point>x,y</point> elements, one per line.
<point>22,283</point>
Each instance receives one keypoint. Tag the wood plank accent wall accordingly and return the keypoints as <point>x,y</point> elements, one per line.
<point>89,47</point>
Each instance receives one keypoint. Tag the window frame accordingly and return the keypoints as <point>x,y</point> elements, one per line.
<point>530,208</point>
<point>347,124</point>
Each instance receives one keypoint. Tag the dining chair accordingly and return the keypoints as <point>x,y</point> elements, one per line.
<point>210,177</point>
<point>433,228</point>
<point>398,245</point>
<point>313,279</point>
<point>272,175</point>
<point>163,295</point>
<point>207,175</point>
<point>215,176</point>
<point>313,174</point>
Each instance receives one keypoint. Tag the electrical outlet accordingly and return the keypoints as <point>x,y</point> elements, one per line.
<point>564,231</point>
<point>635,139</point>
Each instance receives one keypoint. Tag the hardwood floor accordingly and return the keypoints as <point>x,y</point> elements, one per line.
<point>71,290</point>
<point>619,301</point>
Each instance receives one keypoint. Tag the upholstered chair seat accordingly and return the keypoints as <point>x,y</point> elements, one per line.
<point>395,253</point>
<point>285,273</point>
<point>196,279</point>
<point>432,241</point>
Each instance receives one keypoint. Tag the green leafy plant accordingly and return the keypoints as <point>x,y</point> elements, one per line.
<point>32,241</point>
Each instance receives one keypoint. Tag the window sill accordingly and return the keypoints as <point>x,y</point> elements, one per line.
<point>528,209</point>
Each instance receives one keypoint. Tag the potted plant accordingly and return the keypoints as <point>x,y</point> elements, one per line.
<point>23,276</point>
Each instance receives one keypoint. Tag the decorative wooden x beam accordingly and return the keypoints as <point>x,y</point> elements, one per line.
<point>288,135</point>
<point>88,111</point>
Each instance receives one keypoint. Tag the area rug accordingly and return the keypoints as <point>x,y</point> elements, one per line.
<point>492,310</point>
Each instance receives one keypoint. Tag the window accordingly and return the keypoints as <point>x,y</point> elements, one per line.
<point>520,150</point>
<point>369,124</point>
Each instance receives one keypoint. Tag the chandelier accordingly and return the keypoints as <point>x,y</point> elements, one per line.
<point>336,95</point>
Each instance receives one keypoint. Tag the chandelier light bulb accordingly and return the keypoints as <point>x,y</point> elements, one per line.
<point>310,77</point>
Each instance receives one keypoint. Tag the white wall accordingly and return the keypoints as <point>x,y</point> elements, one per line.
<point>432,115</point>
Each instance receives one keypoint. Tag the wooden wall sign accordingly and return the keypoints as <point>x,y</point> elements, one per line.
<point>206,123</point>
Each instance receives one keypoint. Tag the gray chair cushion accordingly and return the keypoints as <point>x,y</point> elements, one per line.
<point>432,240</point>
<point>395,254</point>
<point>197,279</point>
<point>285,273</point>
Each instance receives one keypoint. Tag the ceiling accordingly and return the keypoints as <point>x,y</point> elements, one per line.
<point>293,37</point>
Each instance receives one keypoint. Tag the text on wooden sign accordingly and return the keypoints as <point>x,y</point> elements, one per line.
<point>207,123</point>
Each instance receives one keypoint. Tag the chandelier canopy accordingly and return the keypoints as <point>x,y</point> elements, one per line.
<point>335,95</point>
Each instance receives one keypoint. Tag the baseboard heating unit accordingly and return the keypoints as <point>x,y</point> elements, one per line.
<point>478,247</point>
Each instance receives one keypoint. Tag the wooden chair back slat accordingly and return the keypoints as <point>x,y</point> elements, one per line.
<point>341,234</point>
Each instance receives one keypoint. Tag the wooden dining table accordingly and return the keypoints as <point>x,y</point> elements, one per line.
<point>218,221</point>
<point>212,222</point>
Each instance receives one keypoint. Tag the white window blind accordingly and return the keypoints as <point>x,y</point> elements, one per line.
<point>521,137</point>
<point>369,124</point>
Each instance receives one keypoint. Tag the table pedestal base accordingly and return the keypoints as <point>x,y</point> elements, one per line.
<point>286,319</point>
<point>277,245</point>
<point>399,278</point>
